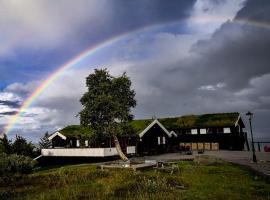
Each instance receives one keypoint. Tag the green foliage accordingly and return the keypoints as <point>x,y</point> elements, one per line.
<point>107,102</point>
<point>124,129</point>
<point>44,141</point>
<point>13,164</point>
<point>78,131</point>
<point>12,169</point>
<point>5,145</point>
<point>21,147</point>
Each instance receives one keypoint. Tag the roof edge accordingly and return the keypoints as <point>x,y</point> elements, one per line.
<point>151,125</point>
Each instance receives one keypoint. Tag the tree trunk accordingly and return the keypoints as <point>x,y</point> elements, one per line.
<point>118,149</point>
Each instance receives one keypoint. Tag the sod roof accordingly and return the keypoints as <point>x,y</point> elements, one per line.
<point>172,123</point>
<point>191,121</point>
<point>76,131</point>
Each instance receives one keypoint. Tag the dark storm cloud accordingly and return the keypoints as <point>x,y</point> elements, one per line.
<point>137,13</point>
<point>12,104</point>
<point>8,113</point>
<point>34,58</point>
<point>236,57</point>
<point>233,55</point>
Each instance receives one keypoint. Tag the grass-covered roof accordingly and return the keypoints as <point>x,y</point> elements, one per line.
<point>139,125</point>
<point>190,121</point>
<point>205,120</point>
<point>77,131</point>
<point>172,123</point>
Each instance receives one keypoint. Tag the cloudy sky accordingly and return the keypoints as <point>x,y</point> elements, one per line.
<point>183,57</point>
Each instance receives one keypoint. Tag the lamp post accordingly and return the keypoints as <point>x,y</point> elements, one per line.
<point>250,115</point>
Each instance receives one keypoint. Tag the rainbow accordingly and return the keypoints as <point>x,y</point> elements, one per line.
<point>93,49</point>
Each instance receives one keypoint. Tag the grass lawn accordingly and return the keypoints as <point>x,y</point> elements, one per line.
<point>203,179</point>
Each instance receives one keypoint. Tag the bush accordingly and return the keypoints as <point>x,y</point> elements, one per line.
<point>21,147</point>
<point>15,164</point>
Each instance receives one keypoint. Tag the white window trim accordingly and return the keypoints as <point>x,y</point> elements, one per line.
<point>158,139</point>
<point>164,140</point>
<point>86,143</point>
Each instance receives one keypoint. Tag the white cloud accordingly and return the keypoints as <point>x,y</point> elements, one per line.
<point>208,15</point>
<point>55,108</point>
<point>5,108</point>
<point>43,23</point>
<point>212,87</point>
<point>9,96</point>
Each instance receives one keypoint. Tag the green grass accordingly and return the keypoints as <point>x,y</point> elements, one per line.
<point>140,124</point>
<point>203,179</point>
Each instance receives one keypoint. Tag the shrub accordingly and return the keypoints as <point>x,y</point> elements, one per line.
<point>15,164</point>
<point>21,147</point>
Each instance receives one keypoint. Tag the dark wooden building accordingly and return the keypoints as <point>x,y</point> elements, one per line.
<point>212,131</point>
<point>223,131</point>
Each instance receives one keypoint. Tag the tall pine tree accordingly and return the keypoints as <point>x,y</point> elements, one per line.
<point>44,141</point>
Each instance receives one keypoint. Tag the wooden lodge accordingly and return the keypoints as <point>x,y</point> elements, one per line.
<point>223,131</point>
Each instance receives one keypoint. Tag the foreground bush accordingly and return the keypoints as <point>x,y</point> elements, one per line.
<point>14,164</point>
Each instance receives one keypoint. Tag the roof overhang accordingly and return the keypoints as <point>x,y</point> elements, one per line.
<point>239,120</point>
<point>151,125</point>
<point>173,134</point>
<point>57,134</point>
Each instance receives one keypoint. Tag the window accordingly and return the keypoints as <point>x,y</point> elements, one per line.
<point>194,131</point>
<point>164,140</point>
<point>78,143</point>
<point>203,131</point>
<point>86,143</point>
<point>226,130</point>
<point>158,140</point>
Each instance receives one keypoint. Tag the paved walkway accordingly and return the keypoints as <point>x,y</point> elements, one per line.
<point>238,157</point>
<point>245,158</point>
